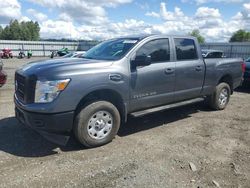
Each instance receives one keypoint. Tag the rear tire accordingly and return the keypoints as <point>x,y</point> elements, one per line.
<point>221,97</point>
<point>97,124</point>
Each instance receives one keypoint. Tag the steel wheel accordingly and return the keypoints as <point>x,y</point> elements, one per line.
<point>100,125</point>
<point>223,97</point>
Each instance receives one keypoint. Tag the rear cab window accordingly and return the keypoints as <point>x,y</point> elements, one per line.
<point>185,49</point>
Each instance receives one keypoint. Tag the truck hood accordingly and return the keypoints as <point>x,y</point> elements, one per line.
<point>62,66</point>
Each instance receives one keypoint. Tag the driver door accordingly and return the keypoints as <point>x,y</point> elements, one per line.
<point>153,85</point>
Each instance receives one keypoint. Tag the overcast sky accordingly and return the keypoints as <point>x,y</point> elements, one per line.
<point>102,19</point>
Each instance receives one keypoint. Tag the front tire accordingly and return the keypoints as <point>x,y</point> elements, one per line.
<point>97,124</point>
<point>221,97</point>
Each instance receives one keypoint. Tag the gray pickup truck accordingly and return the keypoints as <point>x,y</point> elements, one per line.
<point>93,95</point>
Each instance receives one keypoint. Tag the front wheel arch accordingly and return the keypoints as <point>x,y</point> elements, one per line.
<point>109,95</point>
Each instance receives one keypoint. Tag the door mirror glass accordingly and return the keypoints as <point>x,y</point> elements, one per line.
<point>142,60</point>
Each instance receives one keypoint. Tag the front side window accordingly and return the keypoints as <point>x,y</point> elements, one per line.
<point>112,49</point>
<point>185,49</point>
<point>159,50</point>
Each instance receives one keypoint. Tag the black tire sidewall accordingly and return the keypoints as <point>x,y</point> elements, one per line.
<point>82,119</point>
<point>219,89</point>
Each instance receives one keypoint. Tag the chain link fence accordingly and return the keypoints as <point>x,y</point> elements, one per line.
<point>237,49</point>
<point>44,48</point>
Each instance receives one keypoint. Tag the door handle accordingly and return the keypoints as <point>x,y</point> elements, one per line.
<point>198,68</point>
<point>169,71</point>
<point>115,77</point>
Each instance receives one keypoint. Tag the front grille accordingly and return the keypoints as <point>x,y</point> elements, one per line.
<point>20,86</point>
<point>25,88</point>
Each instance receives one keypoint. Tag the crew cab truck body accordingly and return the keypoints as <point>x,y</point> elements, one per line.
<point>92,96</point>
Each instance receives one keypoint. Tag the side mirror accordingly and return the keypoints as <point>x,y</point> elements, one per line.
<point>142,60</point>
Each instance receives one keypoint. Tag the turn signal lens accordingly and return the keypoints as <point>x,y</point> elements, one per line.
<point>62,85</point>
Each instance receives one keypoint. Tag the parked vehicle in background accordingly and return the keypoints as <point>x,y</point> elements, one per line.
<point>6,53</point>
<point>21,54</point>
<point>75,54</point>
<point>92,95</point>
<point>3,75</point>
<point>29,54</point>
<point>53,54</point>
<point>62,52</point>
<point>209,54</point>
<point>247,72</point>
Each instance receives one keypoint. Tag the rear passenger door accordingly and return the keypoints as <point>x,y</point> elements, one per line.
<point>190,69</point>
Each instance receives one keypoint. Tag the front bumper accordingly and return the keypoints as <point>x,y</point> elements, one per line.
<point>54,127</point>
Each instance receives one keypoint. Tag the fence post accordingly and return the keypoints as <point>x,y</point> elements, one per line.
<point>44,50</point>
<point>231,50</point>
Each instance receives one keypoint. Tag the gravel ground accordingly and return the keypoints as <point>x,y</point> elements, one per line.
<point>189,146</point>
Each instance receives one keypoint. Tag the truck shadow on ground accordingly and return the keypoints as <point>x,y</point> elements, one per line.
<point>18,140</point>
<point>161,118</point>
<point>243,89</point>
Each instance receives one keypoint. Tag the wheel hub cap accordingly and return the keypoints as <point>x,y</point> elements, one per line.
<point>100,125</point>
<point>223,98</point>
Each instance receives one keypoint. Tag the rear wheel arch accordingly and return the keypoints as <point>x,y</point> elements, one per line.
<point>221,96</point>
<point>227,79</point>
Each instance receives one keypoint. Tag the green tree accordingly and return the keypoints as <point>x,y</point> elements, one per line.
<point>21,31</point>
<point>196,33</point>
<point>25,33</point>
<point>6,33</point>
<point>15,30</point>
<point>34,29</point>
<point>240,36</point>
<point>1,30</point>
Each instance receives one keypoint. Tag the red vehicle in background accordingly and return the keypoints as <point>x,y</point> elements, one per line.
<point>3,75</point>
<point>6,53</point>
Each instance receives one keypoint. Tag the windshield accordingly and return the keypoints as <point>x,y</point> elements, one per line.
<point>112,49</point>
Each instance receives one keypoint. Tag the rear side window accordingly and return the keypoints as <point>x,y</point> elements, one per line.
<point>159,50</point>
<point>185,49</point>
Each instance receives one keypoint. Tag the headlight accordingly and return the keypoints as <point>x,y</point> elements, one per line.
<point>47,91</point>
